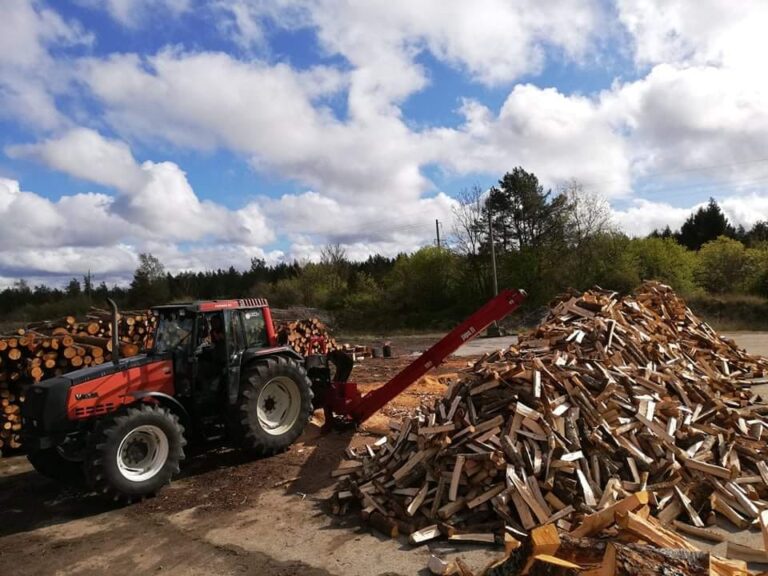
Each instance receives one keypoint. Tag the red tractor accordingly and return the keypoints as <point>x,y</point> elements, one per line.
<point>215,371</point>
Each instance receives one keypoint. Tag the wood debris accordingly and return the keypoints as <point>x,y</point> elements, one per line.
<point>628,546</point>
<point>612,405</point>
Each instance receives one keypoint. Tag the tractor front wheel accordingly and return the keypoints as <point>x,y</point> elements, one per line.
<point>275,405</point>
<point>135,452</point>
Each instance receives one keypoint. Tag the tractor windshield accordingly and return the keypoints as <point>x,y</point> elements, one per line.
<point>173,330</point>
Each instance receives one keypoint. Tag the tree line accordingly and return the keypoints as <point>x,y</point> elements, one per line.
<point>544,241</point>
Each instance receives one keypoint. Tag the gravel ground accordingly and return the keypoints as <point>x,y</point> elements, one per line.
<point>230,515</point>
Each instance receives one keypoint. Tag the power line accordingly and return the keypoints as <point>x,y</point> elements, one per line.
<point>360,227</point>
<point>687,189</point>
<point>680,171</point>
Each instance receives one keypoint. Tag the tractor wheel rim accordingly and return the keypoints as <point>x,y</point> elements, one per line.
<point>142,453</point>
<point>279,404</point>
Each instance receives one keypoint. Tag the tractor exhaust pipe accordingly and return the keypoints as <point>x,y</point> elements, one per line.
<point>115,340</point>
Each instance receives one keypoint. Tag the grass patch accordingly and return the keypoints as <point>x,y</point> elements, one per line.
<point>732,312</point>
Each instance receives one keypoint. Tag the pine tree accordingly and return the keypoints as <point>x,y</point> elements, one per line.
<point>705,225</point>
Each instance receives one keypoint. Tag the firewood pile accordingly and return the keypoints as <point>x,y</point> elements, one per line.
<point>631,543</point>
<point>307,336</point>
<point>52,348</point>
<point>608,398</point>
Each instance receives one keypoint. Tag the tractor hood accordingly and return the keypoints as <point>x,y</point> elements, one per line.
<point>93,372</point>
<point>55,404</point>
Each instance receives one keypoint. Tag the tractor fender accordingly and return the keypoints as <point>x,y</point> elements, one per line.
<point>166,400</point>
<point>254,355</point>
<point>315,367</point>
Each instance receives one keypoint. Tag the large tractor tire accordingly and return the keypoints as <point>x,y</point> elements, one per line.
<point>135,452</point>
<point>274,406</point>
<point>50,463</point>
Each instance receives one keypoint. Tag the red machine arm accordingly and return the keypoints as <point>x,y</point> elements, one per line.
<point>496,309</point>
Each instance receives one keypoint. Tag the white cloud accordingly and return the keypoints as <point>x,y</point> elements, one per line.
<point>272,114</point>
<point>701,110</point>
<point>493,41</point>
<point>697,32</point>
<point>308,250</point>
<point>312,217</point>
<point>746,210</point>
<point>371,162</point>
<point>496,41</point>
<point>29,76</point>
<point>155,198</point>
<point>63,238</point>
<point>80,220</point>
<point>84,232</point>
<point>203,257</point>
<point>67,262</point>
<point>29,29</point>
<point>131,12</point>
<point>155,208</point>
<point>556,136</point>
<point>85,154</point>
<point>697,113</point>
<point>642,217</point>
<point>696,117</point>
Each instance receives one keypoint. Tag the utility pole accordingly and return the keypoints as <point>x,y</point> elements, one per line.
<point>493,330</point>
<point>493,254</point>
<point>437,231</point>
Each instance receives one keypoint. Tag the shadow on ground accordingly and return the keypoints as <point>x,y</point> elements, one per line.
<point>327,451</point>
<point>215,476</point>
<point>29,501</point>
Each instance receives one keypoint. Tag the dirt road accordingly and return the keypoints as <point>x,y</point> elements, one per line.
<point>226,515</point>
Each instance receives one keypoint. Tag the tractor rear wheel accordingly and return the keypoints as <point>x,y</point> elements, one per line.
<point>135,452</point>
<point>275,405</point>
<point>50,463</point>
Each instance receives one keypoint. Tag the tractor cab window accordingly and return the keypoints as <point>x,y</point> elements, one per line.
<point>173,331</point>
<point>211,336</point>
<point>255,328</point>
<point>236,333</point>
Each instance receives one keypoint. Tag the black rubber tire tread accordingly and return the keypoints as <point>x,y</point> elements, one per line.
<point>53,465</point>
<point>253,438</point>
<point>101,471</point>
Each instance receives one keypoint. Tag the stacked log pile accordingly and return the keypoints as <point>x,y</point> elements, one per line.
<point>135,329</point>
<point>47,349</point>
<point>308,336</point>
<point>607,398</point>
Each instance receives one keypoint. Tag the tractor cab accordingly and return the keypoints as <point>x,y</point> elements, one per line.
<point>208,342</point>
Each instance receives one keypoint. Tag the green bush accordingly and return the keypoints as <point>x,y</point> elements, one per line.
<point>665,260</point>
<point>604,260</point>
<point>422,287</point>
<point>726,265</point>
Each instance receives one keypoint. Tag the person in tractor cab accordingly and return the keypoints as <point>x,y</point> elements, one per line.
<point>212,355</point>
<point>218,339</point>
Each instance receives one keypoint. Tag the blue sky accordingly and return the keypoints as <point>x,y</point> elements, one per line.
<point>212,132</point>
